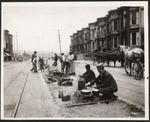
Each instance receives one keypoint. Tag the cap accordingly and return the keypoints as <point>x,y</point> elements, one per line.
<point>100,65</point>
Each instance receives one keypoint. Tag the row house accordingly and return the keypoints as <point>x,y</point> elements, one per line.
<point>93,36</point>
<point>121,26</point>
<point>136,27</point>
<point>86,39</point>
<point>80,41</point>
<point>131,26</point>
<point>101,34</point>
<point>76,43</point>
<point>7,45</point>
<point>72,48</point>
<point>112,29</point>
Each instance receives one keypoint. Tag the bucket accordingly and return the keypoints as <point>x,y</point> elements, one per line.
<point>81,83</point>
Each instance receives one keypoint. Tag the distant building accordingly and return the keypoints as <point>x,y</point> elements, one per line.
<point>80,41</point>
<point>86,39</point>
<point>93,42</point>
<point>7,46</point>
<point>121,26</point>
<point>101,36</point>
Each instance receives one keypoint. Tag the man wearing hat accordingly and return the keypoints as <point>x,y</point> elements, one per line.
<point>33,56</point>
<point>105,83</point>
<point>89,75</point>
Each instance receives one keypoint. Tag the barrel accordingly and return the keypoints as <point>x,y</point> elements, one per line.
<point>81,83</point>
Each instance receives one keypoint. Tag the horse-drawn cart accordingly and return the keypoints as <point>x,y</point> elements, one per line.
<point>134,61</point>
<point>111,55</point>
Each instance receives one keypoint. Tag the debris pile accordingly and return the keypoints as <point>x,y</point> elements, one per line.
<point>55,76</point>
<point>65,81</point>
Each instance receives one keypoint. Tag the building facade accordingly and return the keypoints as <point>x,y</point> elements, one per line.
<point>101,35</point>
<point>86,39</point>
<point>80,41</point>
<point>8,46</point>
<point>121,26</point>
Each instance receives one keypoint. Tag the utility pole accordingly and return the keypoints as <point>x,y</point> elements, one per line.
<point>59,42</point>
<point>17,43</point>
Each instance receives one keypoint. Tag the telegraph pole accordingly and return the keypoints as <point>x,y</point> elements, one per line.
<point>17,43</point>
<point>59,42</point>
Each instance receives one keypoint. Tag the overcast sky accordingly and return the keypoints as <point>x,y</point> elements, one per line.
<point>37,23</point>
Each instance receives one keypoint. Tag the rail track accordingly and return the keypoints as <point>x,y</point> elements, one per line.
<point>13,92</point>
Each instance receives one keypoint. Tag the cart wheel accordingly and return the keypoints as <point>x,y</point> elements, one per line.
<point>138,71</point>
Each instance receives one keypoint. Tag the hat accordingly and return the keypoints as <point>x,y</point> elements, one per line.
<point>100,65</point>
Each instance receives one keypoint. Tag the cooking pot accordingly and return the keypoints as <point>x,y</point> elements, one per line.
<point>85,91</point>
<point>95,92</point>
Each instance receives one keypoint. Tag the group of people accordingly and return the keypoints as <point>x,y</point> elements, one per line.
<point>105,82</point>
<point>67,64</point>
<point>35,61</point>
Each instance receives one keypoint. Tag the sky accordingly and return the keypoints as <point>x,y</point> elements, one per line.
<point>36,24</point>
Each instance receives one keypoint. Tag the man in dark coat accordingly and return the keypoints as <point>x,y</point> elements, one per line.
<point>89,75</point>
<point>55,59</point>
<point>105,83</point>
<point>41,63</point>
<point>33,56</point>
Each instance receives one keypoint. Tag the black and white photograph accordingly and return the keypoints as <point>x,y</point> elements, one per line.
<point>74,60</point>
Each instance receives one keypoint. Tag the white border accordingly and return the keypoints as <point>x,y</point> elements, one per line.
<point>127,3</point>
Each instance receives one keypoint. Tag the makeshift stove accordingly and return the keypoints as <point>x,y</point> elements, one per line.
<point>87,94</point>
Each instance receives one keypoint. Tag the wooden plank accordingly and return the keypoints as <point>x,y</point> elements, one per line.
<point>81,104</point>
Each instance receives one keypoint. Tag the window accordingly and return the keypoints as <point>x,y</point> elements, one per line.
<point>112,26</point>
<point>124,21</point>
<point>93,45</point>
<point>7,46</point>
<point>133,18</point>
<point>85,37</point>
<point>100,29</point>
<point>102,43</point>
<point>93,33</point>
<point>133,38</point>
<point>115,25</point>
<point>115,41</point>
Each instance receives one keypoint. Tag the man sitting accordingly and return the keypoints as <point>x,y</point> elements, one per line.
<point>89,75</point>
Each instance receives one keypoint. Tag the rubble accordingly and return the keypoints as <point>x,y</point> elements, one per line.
<point>54,75</point>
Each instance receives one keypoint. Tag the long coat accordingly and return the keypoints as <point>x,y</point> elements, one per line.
<point>106,80</point>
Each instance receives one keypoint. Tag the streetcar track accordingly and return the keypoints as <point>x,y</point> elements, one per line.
<point>21,95</point>
<point>17,75</point>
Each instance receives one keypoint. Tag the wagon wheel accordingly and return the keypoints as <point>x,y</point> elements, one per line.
<point>127,66</point>
<point>138,70</point>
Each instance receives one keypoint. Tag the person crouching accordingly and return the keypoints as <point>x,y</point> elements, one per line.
<point>89,75</point>
<point>106,84</point>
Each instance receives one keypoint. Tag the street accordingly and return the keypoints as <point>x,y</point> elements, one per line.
<point>27,95</point>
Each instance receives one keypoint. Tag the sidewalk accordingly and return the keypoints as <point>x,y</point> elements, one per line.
<point>37,100</point>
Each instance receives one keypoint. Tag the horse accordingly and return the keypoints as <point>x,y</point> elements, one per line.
<point>114,56</point>
<point>100,56</point>
<point>131,54</point>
